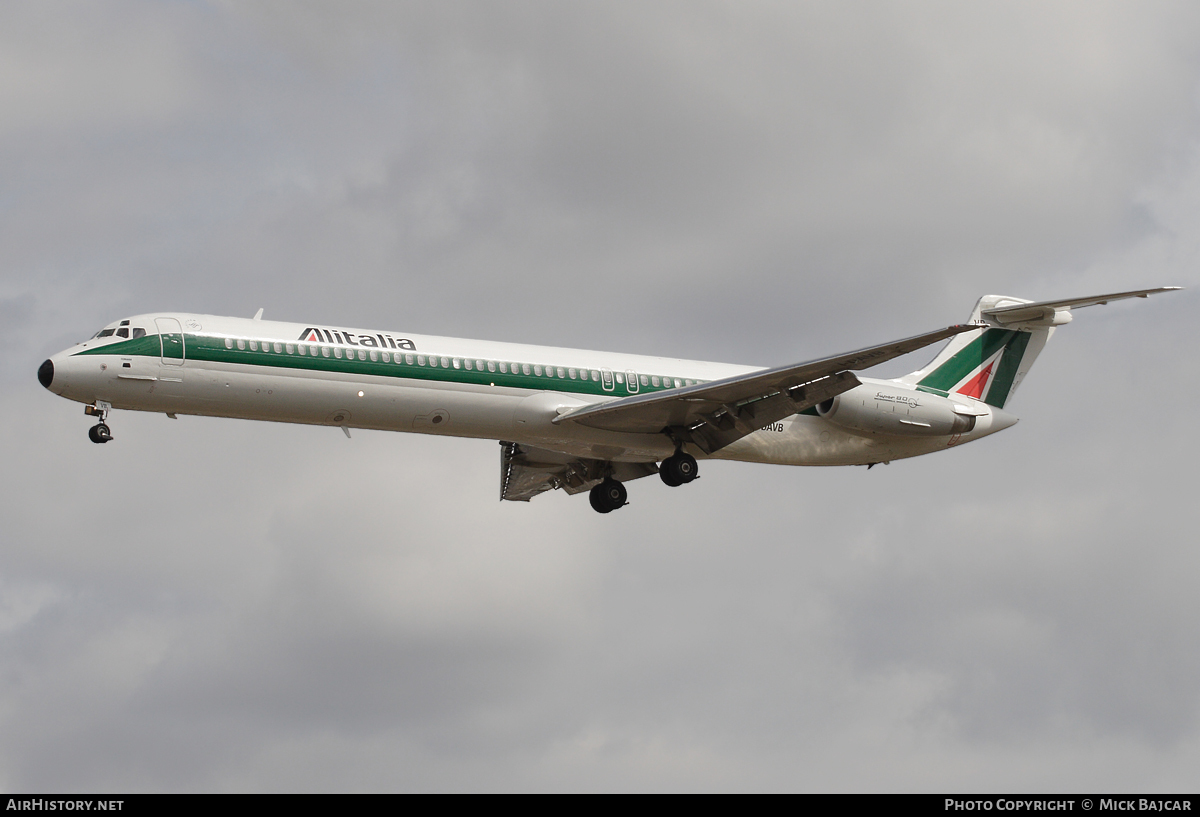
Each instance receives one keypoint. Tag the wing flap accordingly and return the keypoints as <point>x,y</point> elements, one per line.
<point>526,471</point>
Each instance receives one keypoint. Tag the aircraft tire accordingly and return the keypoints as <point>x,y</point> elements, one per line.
<point>99,433</point>
<point>668,474</point>
<point>608,496</point>
<point>678,469</point>
<point>597,500</point>
<point>686,467</point>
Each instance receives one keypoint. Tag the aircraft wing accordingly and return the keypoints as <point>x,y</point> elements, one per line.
<point>1045,309</point>
<point>713,415</point>
<point>526,471</point>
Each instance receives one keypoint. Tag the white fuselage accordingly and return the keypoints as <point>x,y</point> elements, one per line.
<point>324,375</point>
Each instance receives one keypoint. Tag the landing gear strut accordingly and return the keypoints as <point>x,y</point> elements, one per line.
<point>678,469</point>
<point>608,496</point>
<point>99,433</point>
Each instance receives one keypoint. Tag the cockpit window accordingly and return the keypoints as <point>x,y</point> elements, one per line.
<point>139,332</point>
<point>123,332</point>
<point>104,333</point>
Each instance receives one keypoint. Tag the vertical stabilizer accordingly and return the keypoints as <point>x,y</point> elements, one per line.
<point>989,363</point>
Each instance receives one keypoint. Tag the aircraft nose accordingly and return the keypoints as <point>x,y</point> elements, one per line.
<point>46,374</point>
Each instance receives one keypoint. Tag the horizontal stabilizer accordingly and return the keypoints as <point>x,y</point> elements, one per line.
<point>1046,312</point>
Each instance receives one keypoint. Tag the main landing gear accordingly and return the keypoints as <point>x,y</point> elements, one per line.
<point>678,469</point>
<point>99,433</point>
<point>608,496</point>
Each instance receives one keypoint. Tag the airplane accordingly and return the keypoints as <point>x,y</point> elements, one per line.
<point>566,418</point>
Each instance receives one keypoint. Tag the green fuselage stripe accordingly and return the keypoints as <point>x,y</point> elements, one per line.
<point>210,349</point>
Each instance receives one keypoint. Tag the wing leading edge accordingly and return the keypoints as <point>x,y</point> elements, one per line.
<point>713,415</point>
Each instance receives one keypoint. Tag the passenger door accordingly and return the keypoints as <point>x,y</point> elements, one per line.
<point>170,334</point>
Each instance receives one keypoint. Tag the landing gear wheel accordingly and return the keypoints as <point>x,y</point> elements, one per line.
<point>678,469</point>
<point>608,496</point>
<point>99,433</point>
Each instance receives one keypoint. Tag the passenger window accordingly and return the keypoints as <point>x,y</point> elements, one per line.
<point>537,370</point>
<point>302,350</point>
<point>458,363</point>
<point>572,372</point>
<point>337,352</point>
<point>290,348</point>
<point>253,346</point>
<point>241,344</point>
<point>620,377</point>
<point>562,372</point>
<point>491,365</point>
<point>655,380</point>
<point>325,351</point>
<point>408,359</point>
<point>374,356</point>
<point>228,343</point>
<point>503,368</point>
<point>645,380</point>
<point>362,355</point>
<point>445,363</point>
<point>595,376</point>
<point>387,356</point>
<point>479,365</point>
<point>278,347</point>
<point>467,364</point>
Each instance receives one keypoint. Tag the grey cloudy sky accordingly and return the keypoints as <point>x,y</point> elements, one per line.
<point>220,605</point>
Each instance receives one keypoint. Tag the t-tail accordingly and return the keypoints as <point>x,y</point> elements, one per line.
<point>990,363</point>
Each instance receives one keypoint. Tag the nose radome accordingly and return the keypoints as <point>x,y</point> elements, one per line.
<point>46,374</point>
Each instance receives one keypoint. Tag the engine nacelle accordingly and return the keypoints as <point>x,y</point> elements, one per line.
<point>883,409</point>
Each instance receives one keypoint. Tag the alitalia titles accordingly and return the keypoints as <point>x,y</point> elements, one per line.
<point>313,334</point>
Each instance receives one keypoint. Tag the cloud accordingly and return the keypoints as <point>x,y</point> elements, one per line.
<point>223,605</point>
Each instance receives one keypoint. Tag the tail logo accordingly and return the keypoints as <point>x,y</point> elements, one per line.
<point>985,368</point>
<point>975,386</point>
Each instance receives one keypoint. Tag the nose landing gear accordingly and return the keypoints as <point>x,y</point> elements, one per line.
<point>99,433</point>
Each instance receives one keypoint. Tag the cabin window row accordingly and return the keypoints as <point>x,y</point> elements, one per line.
<point>434,361</point>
